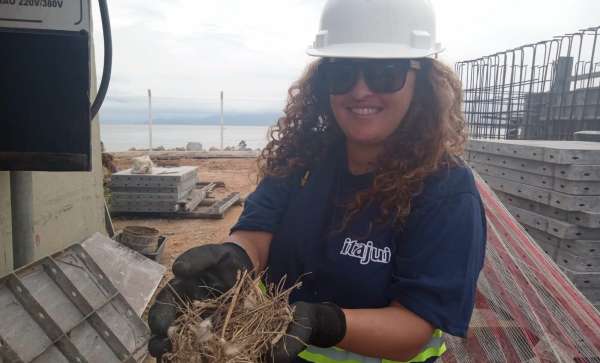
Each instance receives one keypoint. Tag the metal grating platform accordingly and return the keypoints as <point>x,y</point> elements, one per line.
<point>64,309</point>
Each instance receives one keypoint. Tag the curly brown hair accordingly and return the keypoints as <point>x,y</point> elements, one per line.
<point>431,135</point>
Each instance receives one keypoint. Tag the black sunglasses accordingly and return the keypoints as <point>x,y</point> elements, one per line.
<point>381,75</point>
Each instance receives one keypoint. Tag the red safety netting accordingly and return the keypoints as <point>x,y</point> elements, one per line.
<point>526,309</point>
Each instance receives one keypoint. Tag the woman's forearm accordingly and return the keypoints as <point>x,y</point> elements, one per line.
<point>393,333</point>
<point>256,244</point>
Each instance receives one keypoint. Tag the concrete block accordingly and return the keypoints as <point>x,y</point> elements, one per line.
<point>587,136</point>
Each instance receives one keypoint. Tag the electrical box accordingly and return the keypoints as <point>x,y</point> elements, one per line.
<point>45,85</point>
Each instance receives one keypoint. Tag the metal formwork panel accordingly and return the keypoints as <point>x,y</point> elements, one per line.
<point>529,218</point>
<point>578,263</point>
<point>571,203</point>
<point>160,177</point>
<point>64,309</point>
<point>507,149</point>
<point>559,229</point>
<point>592,294</point>
<point>182,187</point>
<point>530,166</point>
<point>583,280</point>
<point>589,203</point>
<point>524,191</point>
<point>584,188</point>
<point>584,219</point>
<point>555,152</point>
<point>578,172</point>
<point>565,230</point>
<point>543,237</point>
<point>519,176</point>
<point>583,173</point>
<point>143,206</point>
<point>150,197</point>
<point>581,247</point>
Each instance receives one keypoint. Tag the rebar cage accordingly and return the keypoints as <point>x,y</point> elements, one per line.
<point>546,90</point>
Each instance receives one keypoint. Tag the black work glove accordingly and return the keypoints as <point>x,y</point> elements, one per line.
<point>322,325</point>
<point>200,273</point>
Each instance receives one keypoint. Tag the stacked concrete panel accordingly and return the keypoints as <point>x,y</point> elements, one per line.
<point>553,189</point>
<point>160,191</point>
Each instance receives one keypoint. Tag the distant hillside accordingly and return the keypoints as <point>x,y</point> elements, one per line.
<point>236,119</point>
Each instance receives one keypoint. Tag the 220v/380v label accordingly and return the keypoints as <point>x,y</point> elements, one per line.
<point>35,3</point>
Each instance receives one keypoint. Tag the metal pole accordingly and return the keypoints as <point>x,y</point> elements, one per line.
<point>21,199</point>
<point>221,120</point>
<point>150,117</point>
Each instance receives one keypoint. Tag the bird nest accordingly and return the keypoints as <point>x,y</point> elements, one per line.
<point>240,326</point>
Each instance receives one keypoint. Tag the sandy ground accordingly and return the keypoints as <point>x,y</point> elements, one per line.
<point>239,175</point>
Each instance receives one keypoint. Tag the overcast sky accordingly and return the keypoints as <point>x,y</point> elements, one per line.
<point>186,51</point>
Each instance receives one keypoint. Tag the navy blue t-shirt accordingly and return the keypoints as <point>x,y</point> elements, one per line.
<point>430,265</point>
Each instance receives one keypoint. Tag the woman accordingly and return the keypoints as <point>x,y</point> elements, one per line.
<point>362,196</point>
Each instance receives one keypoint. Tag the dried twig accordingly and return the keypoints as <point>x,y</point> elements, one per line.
<point>249,320</point>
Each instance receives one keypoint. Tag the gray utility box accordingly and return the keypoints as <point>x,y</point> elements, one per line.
<point>45,85</point>
<point>553,189</point>
<point>160,191</point>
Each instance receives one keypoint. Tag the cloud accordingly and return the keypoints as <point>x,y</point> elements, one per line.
<point>187,51</point>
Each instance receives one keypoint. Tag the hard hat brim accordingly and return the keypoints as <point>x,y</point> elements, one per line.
<point>371,51</point>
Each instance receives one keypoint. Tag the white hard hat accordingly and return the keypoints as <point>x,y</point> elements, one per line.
<point>376,29</point>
